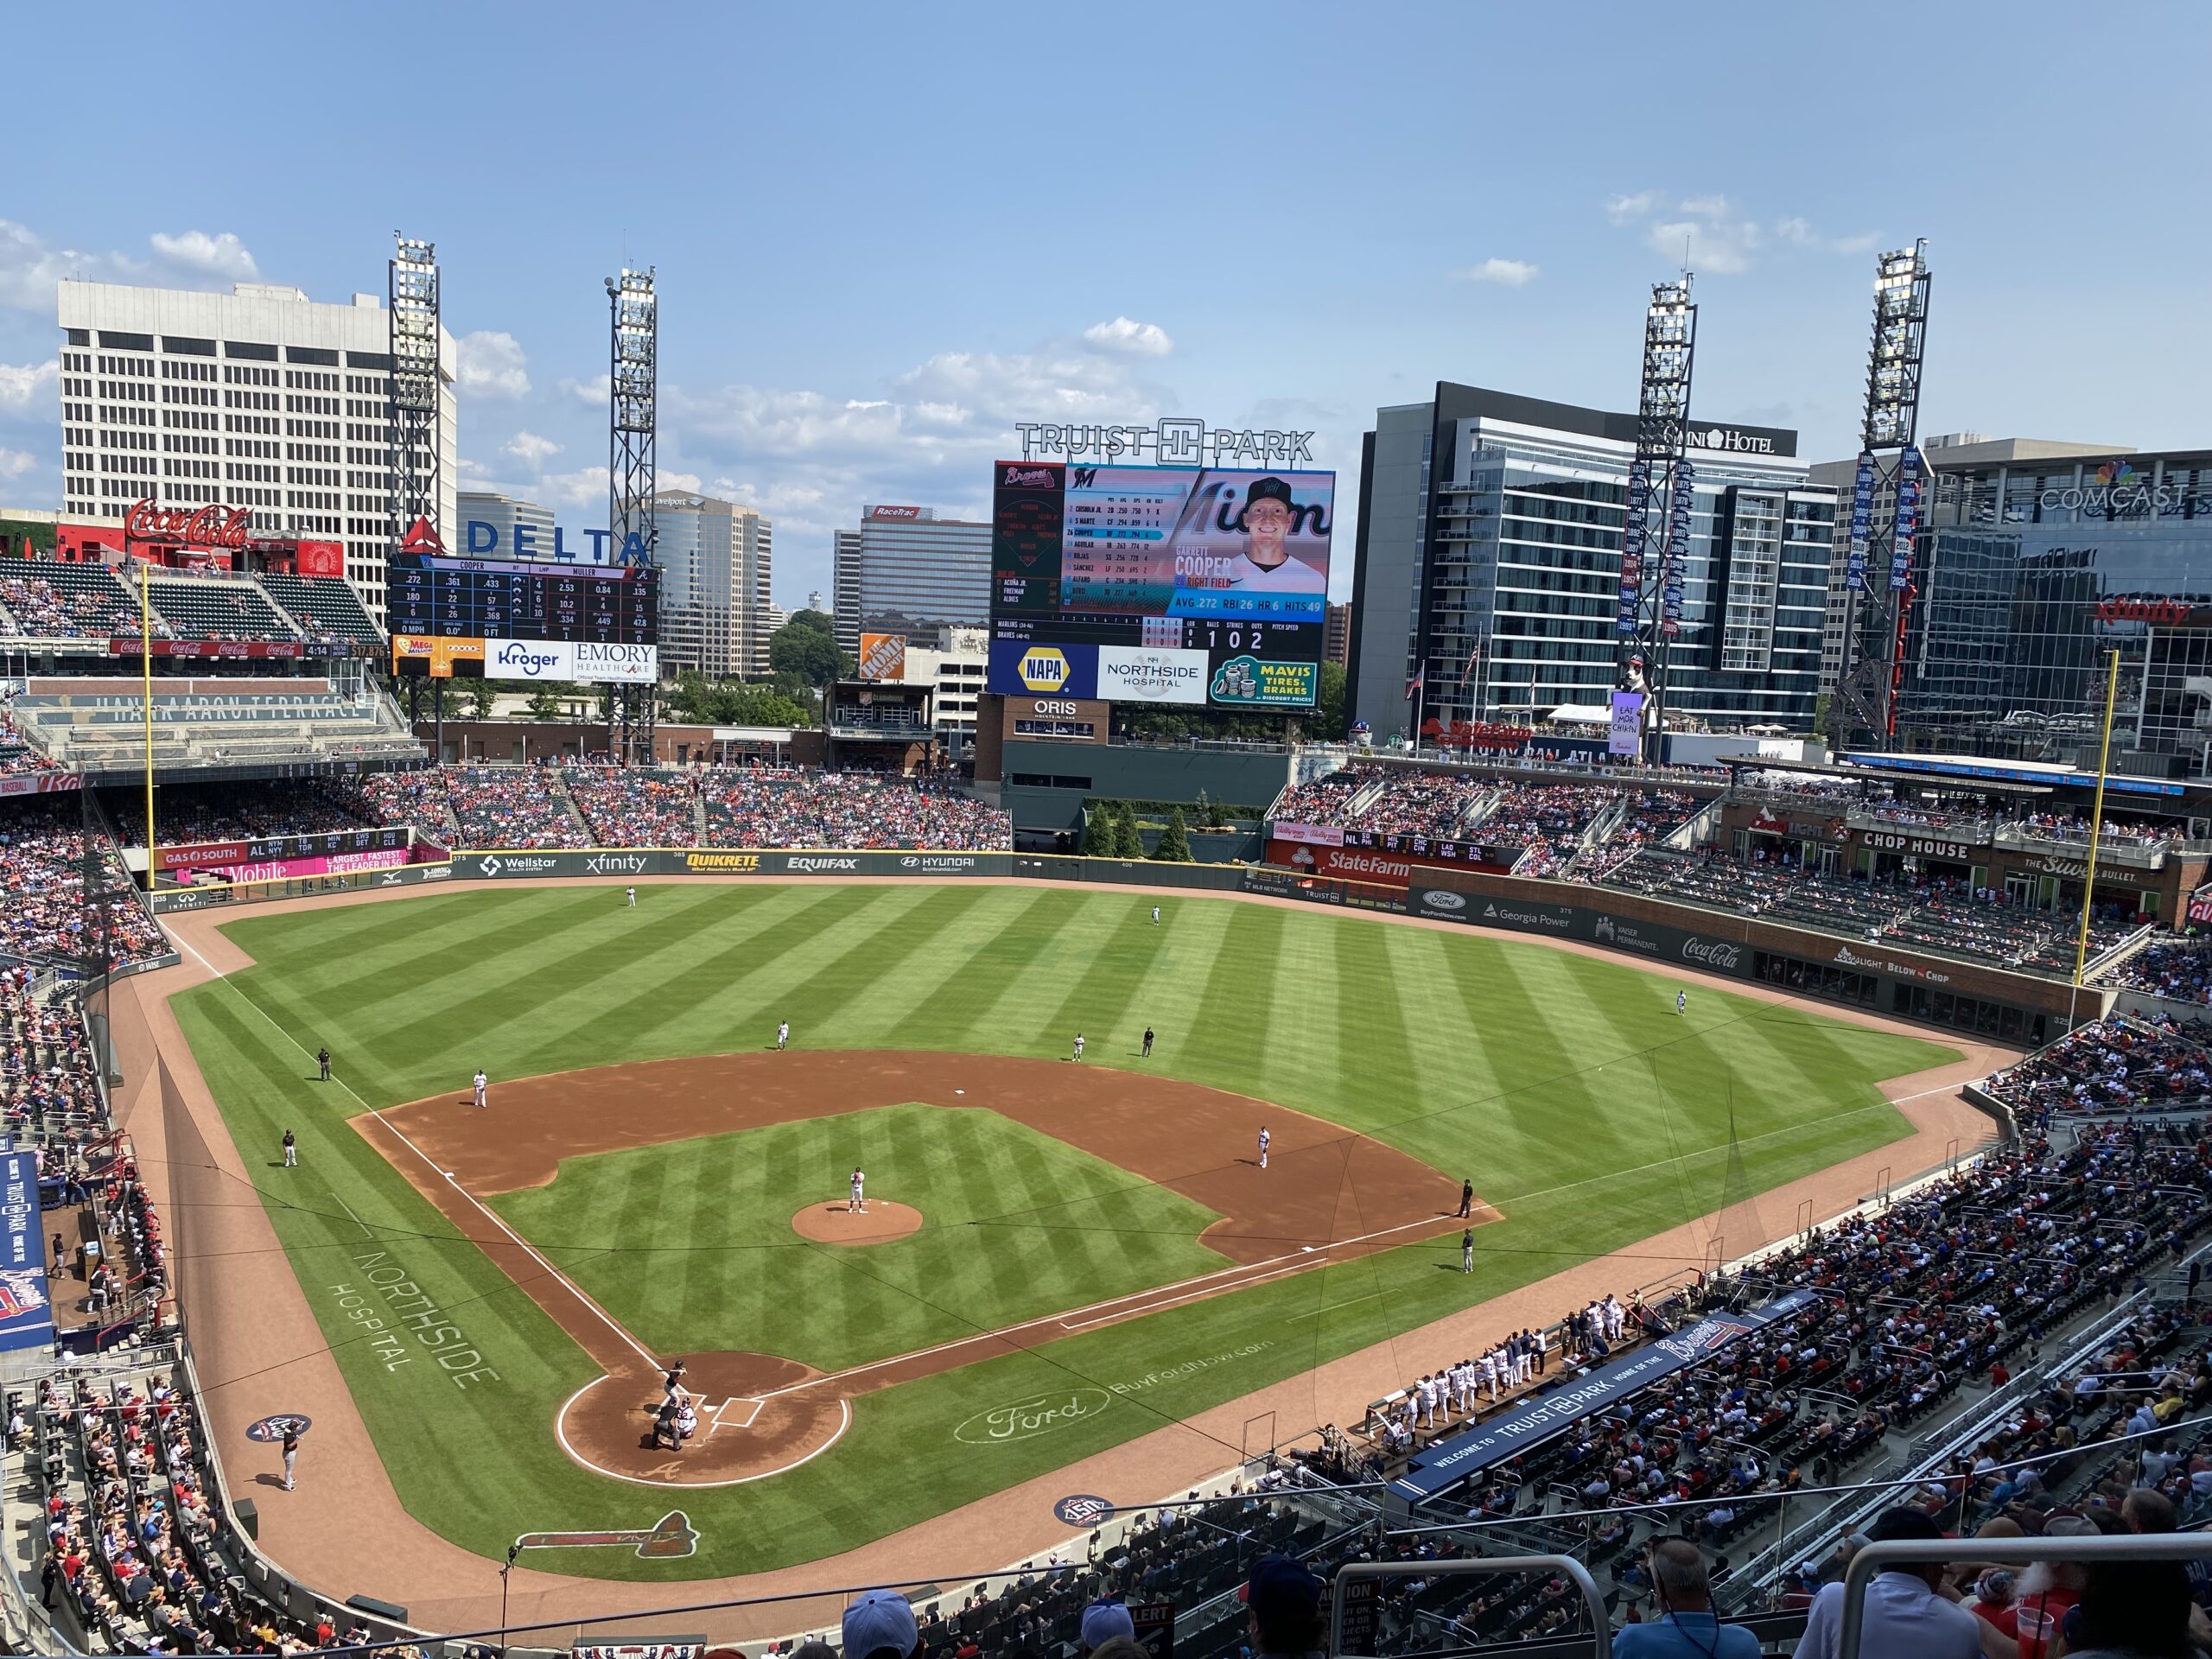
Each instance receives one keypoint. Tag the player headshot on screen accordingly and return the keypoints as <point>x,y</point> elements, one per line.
<point>1267,566</point>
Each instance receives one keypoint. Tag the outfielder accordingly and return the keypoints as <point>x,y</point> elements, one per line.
<point>483,1089</point>
<point>633,891</point>
<point>1264,1138</point>
<point>1681,1003</point>
<point>782,1032</point>
<point>1078,1044</point>
<point>1155,915</point>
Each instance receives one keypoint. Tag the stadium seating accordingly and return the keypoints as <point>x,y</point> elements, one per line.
<point>518,806</point>
<point>41,599</point>
<point>42,855</point>
<point>623,807</point>
<point>2180,970</point>
<point>326,608</point>
<point>2122,1063</point>
<point>208,812</point>
<point>94,725</point>
<point>218,607</point>
<point>760,807</point>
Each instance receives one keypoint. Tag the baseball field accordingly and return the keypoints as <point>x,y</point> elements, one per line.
<point>1059,1256</point>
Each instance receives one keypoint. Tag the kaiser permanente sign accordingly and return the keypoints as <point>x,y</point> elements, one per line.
<point>1510,1433</point>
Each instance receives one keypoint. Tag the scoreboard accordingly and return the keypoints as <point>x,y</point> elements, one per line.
<point>1159,584</point>
<point>490,599</point>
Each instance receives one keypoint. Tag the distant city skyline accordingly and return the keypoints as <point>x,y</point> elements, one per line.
<point>860,309</point>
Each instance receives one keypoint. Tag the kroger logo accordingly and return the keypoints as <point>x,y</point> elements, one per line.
<point>823,864</point>
<point>1438,901</point>
<point>526,661</point>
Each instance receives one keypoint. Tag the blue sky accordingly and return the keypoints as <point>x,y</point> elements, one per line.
<point>884,234</point>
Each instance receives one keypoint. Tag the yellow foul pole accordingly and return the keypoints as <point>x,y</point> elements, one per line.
<point>2096,817</point>
<point>146,690</point>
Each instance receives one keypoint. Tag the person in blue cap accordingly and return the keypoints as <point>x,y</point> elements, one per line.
<point>881,1625</point>
<point>1282,1610</point>
<point>1103,1620</point>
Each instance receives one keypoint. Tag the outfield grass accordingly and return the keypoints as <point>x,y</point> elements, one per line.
<point>707,1258</point>
<point>1564,1086</point>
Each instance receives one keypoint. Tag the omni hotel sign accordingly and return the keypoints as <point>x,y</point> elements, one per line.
<point>1172,440</point>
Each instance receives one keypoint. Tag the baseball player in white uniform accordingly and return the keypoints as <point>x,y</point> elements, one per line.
<point>633,891</point>
<point>483,1089</point>
<point>1078,1044</point>
<point>1264,1138</point>
<point>1155,915</point>
<point>1489,1374</point>
<point>857,1205</point>
<point>782,1032</point>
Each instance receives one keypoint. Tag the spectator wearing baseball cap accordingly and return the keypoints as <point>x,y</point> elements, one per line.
<point>1103,1620</point>
<point>881,1625</point>
<point>1282,1609</point>
<point>1908,1615</point>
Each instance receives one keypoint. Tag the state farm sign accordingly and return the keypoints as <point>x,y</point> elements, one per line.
<point>190,527</point>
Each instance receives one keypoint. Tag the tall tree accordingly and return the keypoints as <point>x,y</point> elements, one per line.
<point>1128,840</point>
<point>1175,842</point>
<point>804,647</point>
<point>1097,832</point>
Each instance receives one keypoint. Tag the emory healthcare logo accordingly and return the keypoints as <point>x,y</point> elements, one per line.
<point>1044,668</point>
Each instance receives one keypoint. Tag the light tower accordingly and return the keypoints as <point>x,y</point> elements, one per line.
<point>633,420</point>
<point>1877,602</point>
<point>412,332</point>
<point>1650,613</point>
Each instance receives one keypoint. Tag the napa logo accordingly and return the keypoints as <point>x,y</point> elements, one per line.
<point>1044,668</point>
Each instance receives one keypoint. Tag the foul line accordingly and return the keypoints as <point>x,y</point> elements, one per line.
<point>559,1277</point>
<point>1202,1285</point>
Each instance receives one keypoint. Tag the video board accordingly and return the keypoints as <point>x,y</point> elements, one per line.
<point>1196,586</point>
<point>522,620</point>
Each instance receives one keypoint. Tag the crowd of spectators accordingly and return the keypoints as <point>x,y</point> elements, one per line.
<point>51,1095</point>
<point>41,873</point>
<point>624,807</point>
<point>2178,970</point>
<point>417,798</point>
<point>2120,1063</point>
<point>214,812</point>
<point>68,605</point>
<point>1651,816</point>
<point>765,807</point>
<point>18,757</point>
<point>2074,826</point>
<point>514,806</point>
<point>1538,828</point>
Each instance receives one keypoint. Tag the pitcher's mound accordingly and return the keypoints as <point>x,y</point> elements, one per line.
<point>830,1223</point>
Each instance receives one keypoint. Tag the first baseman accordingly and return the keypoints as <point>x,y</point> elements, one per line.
<point>483,1089</point>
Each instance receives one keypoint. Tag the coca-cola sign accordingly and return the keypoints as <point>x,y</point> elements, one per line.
<point>147,521</point>
<point>1714,953</point>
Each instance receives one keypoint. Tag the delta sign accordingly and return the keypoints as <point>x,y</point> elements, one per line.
<point>522,542</point>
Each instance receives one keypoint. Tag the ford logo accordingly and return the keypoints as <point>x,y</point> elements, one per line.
<point>1037,1413</point>
<point>1436,899</point>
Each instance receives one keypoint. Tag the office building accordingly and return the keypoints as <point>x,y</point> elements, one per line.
<point>955,667</point>
<point>1488,554</point>
<point>2039,559</point>
<point>503,515</point>
<point>1336,635</point>
<point>905,570</point>
<point>714,559</point>
<point>257,398</point>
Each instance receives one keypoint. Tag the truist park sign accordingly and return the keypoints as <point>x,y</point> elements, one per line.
<point>1172,440</point>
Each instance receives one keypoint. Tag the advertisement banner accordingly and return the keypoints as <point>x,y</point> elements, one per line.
<point>1862,522</point>
<point>1019,669</point>
<point>212,855</point>
<point>254,649</point>
<point>1677,563</point>
<point>417,653</point>
<point>1141,673</point>
<point>1908,525</point>
<point>1310,835</point>
<point>1530,1423</point>
<point>1256,682</point>
<point>530,660</point>
<point>1657,940</point>
<point>40,783</point>
<point>1626,733</point>
<point>598,663</point>
<point>1635,533</point>
<point>883,656</point>
<point>1341,863</point>
<point>26,1311</point>
<point>287,869</point>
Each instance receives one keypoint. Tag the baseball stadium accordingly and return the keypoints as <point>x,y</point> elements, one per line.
<point>672,1187</point>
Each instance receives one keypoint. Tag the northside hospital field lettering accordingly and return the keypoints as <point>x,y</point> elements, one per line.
<point>390,1309</point>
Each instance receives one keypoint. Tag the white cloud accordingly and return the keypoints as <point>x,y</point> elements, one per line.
<point>19,386</point>
<point>690,483</point>
<point>29,268</point>
<point>13,463</point>
<point>594,391</point>
<point>1799,233</point>
<point>1504,273</point>
<point>586,488</point>
<point>492,365</point>
<point>1623,209</point>
<point>1126,334</point>
<point>221,256</point>
<point>1713,207</point>
<point>529,449</point>
<point>1720,247</point>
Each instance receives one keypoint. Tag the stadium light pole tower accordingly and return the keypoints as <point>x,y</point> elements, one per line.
<point>632,438</point>
<point>1878,604</point>
<point>1660,477</point>
<point>411,332</point>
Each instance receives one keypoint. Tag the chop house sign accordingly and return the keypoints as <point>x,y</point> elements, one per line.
<point>191,527</point>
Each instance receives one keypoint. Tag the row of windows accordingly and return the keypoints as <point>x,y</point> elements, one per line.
<point>311,452</point>
<point>112,440</point>
<point>310,429</point>
<point>188,394</point>
<point>191,420</point>
<point>311,405</point>
<point>125,391</point>
<point>188,444</point>
<point>173,369</point>
<point>310,475</point>
<point>301,381</point>
<point>249,399</point>
<point>189,468</point>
